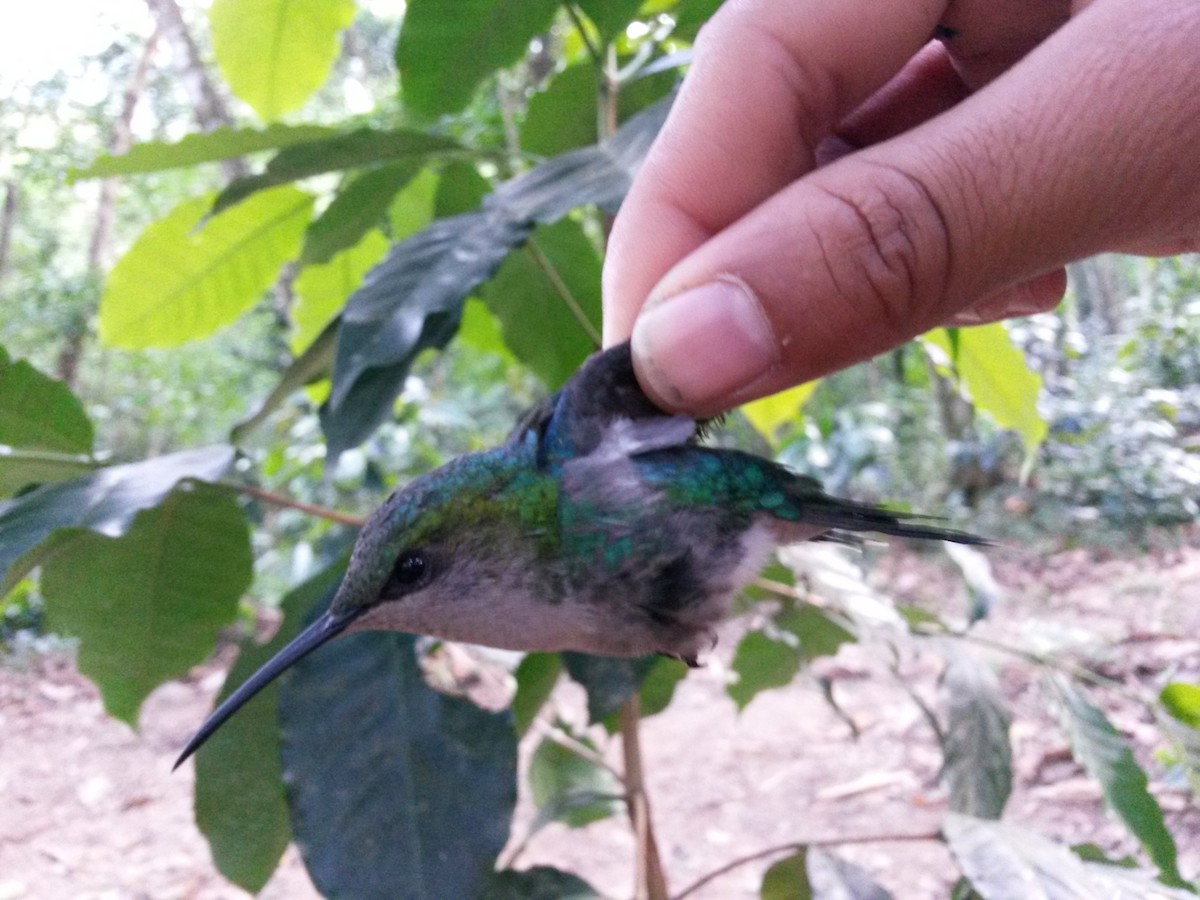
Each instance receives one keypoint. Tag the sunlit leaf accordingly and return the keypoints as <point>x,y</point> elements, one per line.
<point>38,412</point>
<point>105,502</point>
<point>196,148</point>
<point>480,330</point>
<point>976,752</point>
<point>770,414</point>
<point>240,803</point>
<point>570,789</point>
<point>275,53</point>
<point>1182,701</point>
<point>146,606</point>
<point>610,16</point>
<point>536,676</point>
<point>998,378</point>
<point>322,290</point>
<point>1101,750</point>
<point>182,280</point>
<point>442,57</point>
<point>395,790</point>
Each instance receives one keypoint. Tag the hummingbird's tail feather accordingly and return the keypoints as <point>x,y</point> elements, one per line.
<point>844,518</point>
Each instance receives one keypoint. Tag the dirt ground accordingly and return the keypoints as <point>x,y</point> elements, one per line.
<point>90,809</point>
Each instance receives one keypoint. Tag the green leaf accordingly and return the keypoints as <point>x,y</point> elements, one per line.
<point>363,147</point>
<point>787,879</point>
<point>658,687</point>
<point>689,15</point>
<point>536,676</point>
<point>194,149</point>
<point>1004,862</point>
<point>976,752</point>
<point>570,789</point>
<point>241,806</point>
<point>997,377</point>
<point>538,883</point>
<point>105,502</point>
<point>395,790</point>
<point>1101,750</point>
<point>413,208</point>
<point>609,681</point>
<point>322,290</point>
<point>180,282</point>
<point>547,299</point>
<point>147,606</point>
<point>1182,701</point>
<point>610,16</point>
<point>21,468</point>
<point>817,631</point>
<point>562,116</point>
<point>480,330</point>
<point>760,663</point>
<point>442,56</point>
<point>770,414</point>
<point>314,364</point>
<point>275,53</point>
<point>38,412</point>
<point>359,206</point>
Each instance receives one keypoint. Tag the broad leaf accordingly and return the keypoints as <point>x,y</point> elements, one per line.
<point>104,502</point>
<point>609,681</point>
<point>359,206</point>
<point>536,676</point>
<point>658,687</point>
<point>818,632</point>
<point>1182,701</point>
<point>538,883</point>
<point>322,290</point>
<point>146,606</point>
<point>1004,862</point>
<point>275,53</point>
<point>1101,750</point>
<point>395,790</point>
<point>610,16</point>
<point>770,414</point>
<point>240,803</point>
<point>787,879</point>
<point>997,376</point>
<point>762,662</point>
<point>563,116</point>
<point>21,468</point>
<point>442,56</point>
<point>312,365</point>
<point>976,752</point>
<point>570,789</point>
<point>38,412</point>
<point>351,150</point>
<point>547,299</point>
<point>182,279</point>
<point>211,146</point>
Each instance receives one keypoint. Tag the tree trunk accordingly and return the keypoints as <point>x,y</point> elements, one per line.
<point>8,219</point>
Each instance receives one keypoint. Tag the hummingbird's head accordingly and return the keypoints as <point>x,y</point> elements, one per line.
<point>446,555</point>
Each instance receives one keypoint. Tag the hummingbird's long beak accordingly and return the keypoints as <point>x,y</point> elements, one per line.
<point>328,626</point>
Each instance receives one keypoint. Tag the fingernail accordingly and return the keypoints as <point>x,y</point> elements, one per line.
<point>699,348</point>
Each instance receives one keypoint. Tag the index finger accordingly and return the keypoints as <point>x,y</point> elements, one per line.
<point>768,82</point>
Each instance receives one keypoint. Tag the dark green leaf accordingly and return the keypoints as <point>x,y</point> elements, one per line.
<point>38,412</point>
<point>395,790</point>
<point>341,151</point>
<point>835,879</point>
<point>443,55</point>
<point>538,883</point>
<point>976,753</point>
<point>609,681</point>
<point>359,206</point>
<point>21,468</point>
<point>570,789</point>
<point>610,16</point>
<point>1004,862</point>
<point>819,633</point>
<point>1101,750</point>
<point>105,502</point>
<point>689,15</point>
<point>547,299</point>
<point>1182,701</point>
<point>659,685</point>
<point>460,189</point>
<point>787,879</point>
<point>212,146</point>
<point>147,605</point>
<point>563,116</point>
<point>760,663</point>
<point>240,802</point>
<point>536,676</point>
<point>312,365</point>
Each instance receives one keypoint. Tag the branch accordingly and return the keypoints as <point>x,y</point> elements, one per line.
<point>801,845</point>
<point>651,884</point>
<point>275,499</point>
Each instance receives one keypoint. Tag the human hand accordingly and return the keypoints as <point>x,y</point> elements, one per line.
<point>831,184</point>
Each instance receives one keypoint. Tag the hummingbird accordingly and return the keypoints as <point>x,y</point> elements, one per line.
<point>601,525</point>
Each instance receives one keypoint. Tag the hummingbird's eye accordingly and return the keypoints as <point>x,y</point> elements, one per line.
<point>410,569</point>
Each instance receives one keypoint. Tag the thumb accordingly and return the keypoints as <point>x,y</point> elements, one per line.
<point>1075,150</point>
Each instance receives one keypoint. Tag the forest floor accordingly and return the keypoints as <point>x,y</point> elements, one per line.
<point>90,809</point>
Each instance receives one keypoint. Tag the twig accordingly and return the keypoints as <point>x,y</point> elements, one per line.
<point>567,742</point>
<point>274,499</point>
<point>651,884</point>
<point>581,27</point>
<point>800,845</point>
<point>564,292</point>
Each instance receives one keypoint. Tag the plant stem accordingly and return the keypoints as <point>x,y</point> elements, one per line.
<point>577,21</point>
<point>275,499</point>
<point>801,845</point>
<point>651,884</point>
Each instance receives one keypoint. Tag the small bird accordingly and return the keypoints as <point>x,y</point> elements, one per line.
<point>601,525</point>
